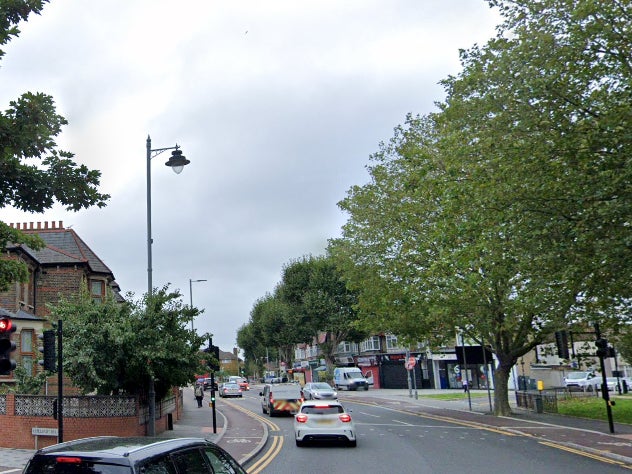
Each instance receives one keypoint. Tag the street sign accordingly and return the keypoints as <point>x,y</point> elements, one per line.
<point>410,365</point>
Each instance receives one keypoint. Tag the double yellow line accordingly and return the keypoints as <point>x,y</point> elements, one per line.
<point>270,454</point>
<point>275,447</point>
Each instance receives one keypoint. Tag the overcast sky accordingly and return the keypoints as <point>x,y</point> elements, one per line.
<point>277,103</point>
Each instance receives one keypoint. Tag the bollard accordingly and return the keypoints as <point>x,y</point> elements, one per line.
<point>539,404</point>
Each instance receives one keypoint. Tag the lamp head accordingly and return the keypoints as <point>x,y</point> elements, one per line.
<point>177,161</point>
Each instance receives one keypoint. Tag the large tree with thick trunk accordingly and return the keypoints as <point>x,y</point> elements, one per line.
<point>506,214</point>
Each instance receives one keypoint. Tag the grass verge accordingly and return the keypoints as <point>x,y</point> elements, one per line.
<point>595,408</point>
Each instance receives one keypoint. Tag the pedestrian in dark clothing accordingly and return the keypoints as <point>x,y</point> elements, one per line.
<point>199,394</point>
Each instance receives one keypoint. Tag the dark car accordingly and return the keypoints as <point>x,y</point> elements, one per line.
<point>207,384</point>
<point>114,455</point>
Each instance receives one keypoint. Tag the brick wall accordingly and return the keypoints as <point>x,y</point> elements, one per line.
<point>54,282</point>
<point>17,430</point>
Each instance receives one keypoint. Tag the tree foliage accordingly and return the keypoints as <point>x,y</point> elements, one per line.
<point>116,348</point>
<point>507,213</point>
<point>34,174</point>
<point>311,298</point>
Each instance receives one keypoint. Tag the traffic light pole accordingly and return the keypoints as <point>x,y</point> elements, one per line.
<point>604,385</point>
<point>213,401</point>
<point>60,390</point>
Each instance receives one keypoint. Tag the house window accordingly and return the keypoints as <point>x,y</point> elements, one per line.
<point>27,364</point>
<point>344,346</point>
<point>26,341</point>
<point>391,341</point>
<point>26,350</point>
<point>97,290</point>
<point>371,344</point>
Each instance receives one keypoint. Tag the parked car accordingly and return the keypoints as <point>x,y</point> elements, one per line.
<point>230,390</point>
<point>114,455</point>
<point>583,381</point>
<point>281,398</point>
<point>324,421</point>
<point>319,391</point>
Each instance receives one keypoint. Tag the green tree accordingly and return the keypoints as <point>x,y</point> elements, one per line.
<point>34,174</point>
<point>319,302</point>
<point>116,348</point>
<point>506,214</point>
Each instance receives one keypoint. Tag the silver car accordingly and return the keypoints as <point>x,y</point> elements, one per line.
<point>230,390</point>
<point>319,391</point>
<point>324,421</point>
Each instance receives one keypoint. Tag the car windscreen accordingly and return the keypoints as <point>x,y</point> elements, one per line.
<point>322,410</point>
<point>576,375</point>
<point>321,386</point>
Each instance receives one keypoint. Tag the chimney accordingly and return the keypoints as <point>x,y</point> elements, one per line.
<point>235,351</point>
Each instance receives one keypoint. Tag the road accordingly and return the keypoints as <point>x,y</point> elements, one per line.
<point>391,440</point>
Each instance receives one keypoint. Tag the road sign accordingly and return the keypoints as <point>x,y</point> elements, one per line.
<point>410,365</point>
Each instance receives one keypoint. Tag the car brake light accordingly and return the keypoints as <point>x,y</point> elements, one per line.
<point>322,406</point>
<point>271,398</point>
<point>68,460</point>
<point>345,418</point>
<point>301,418</point>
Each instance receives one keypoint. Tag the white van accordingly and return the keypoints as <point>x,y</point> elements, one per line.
<point>349,378</point>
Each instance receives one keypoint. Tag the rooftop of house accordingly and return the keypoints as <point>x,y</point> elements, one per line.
<point>63,246</point>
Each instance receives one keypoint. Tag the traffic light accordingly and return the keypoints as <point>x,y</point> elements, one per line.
<point>242,370</point>
<point>48,350</point>
<point>213,362</point>
<point>7,346</point>
<point>602,347</point>
<point>561,341</point>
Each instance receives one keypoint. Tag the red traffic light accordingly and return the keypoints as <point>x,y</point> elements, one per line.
<point>6,325</point>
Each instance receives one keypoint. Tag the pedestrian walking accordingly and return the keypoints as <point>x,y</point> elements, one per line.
<point>199,394</point>
<point>465,385</point>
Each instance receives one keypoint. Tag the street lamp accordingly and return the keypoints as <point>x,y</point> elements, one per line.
<point>177,162</point>
<point>191,293</point>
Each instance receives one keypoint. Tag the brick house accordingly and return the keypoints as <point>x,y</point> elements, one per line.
<point>59,269</point>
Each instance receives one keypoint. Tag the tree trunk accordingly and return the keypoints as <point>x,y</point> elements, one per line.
<point>501,389</point>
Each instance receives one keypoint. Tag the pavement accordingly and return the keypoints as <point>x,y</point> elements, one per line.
<point>244,435</point>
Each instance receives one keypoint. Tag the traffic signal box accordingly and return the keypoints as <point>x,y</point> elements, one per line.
<point>7,346</point>
<point>48,351</point>
<point>213,363</point>
<point>602,347</point>
<point>561,341</point>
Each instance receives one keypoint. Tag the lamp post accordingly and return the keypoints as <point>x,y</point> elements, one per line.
<point>177,162</point>
<point>191,294</point>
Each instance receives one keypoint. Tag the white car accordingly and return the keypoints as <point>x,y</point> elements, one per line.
<point>324,421</point>
<point>584,381</point>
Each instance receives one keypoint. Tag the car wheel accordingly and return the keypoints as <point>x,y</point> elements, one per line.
<point>263,410</point>
<point>300,443</point>
<point>271,411</point>
<point>366,388</point>
<point>353,444</point>
<point>590,388</point>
